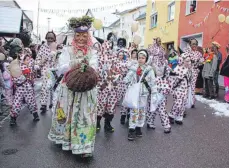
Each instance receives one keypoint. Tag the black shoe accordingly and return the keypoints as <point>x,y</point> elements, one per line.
<point>36,117</point>
<point>185,115</point>
<point>128,117</point>
<point>98,126</point>
<point>50,106</point>
<point>131,135</point>
<point>138,131</point>
<point>12,121</point>
<point>179,122</point>
<point>193,106</point>
<point>171,120</point>
<point>167,130</point>
<point>123,119</point>
<point>43,109</point>
<point>107,126</point>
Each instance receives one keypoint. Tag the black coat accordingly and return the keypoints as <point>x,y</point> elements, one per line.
<point>225,68</point>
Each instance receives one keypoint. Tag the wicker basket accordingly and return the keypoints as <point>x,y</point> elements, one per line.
<point>81,79</point>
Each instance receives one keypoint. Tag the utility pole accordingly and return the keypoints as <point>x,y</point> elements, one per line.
<point>38,13</point>
<point>49,23</point>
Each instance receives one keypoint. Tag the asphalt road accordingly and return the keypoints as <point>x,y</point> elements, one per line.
<point>201,142</point>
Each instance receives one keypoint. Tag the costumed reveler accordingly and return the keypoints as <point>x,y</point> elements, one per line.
<point>132,47</point>
<point>125,112</point>
<point>180,82</point>
<point>121,64</point>
<point>45,60</point>
<point>75,98</point>
<point>121,44</point>
<point>107,94</point>
<point>22,69</point>
<point>162,71</point>
<point>144,74</point>
<point>196,59</point>
<point>200,81</point>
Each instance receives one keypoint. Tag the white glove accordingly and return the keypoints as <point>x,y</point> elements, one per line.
<point>53,52</point>
<point>36,67</point>
<point>63,69</point>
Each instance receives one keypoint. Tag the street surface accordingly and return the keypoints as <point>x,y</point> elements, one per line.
<point>201,142</point>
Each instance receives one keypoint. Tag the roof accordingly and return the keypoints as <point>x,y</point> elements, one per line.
<point>11,4</point>
<point>130,10</point>
<point>142,16</point>
<point>89,12</point>
<point>115,23</point>
<point>29,14</point>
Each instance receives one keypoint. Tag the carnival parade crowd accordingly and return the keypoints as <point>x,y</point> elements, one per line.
<point>84,83</point>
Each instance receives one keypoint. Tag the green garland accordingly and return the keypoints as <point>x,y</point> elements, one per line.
<point>83,21</point>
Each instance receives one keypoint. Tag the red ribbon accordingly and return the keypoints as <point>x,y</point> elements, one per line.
<point>139,71</point>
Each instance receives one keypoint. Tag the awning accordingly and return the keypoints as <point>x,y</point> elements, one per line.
<point>10,20</point>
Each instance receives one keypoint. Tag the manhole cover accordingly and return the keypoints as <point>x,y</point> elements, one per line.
<point>9,151</point>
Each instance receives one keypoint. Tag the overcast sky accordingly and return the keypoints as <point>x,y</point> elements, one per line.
<point>57,21</point>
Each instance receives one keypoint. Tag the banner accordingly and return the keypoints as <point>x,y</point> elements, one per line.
<point>196,25</point>
<point>62,12</point>
<point>222,9</point>
<point>163,28</point>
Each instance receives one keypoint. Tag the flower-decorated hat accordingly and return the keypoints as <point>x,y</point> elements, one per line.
<point>82,24</point>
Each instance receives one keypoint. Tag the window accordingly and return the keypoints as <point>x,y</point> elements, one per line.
<point>153,20</point>
<point>171,11</point>
<point>190,6</point>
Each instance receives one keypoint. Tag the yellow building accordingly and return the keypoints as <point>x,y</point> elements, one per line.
<point>162,20</point>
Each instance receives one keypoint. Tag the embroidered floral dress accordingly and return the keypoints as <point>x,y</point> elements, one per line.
<point>74,114</point>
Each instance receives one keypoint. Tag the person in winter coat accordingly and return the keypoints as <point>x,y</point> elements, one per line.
<point>148,87</point>
<point>216,47</point>
<point>209,69</point>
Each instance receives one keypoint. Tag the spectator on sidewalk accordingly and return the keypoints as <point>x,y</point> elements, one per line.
<point>216,47</point>
<point>225,73</point>
<point>209,69</point>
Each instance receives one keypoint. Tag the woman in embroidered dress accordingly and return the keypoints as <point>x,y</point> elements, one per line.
<point>74,113</point>
<point>148,87</point>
